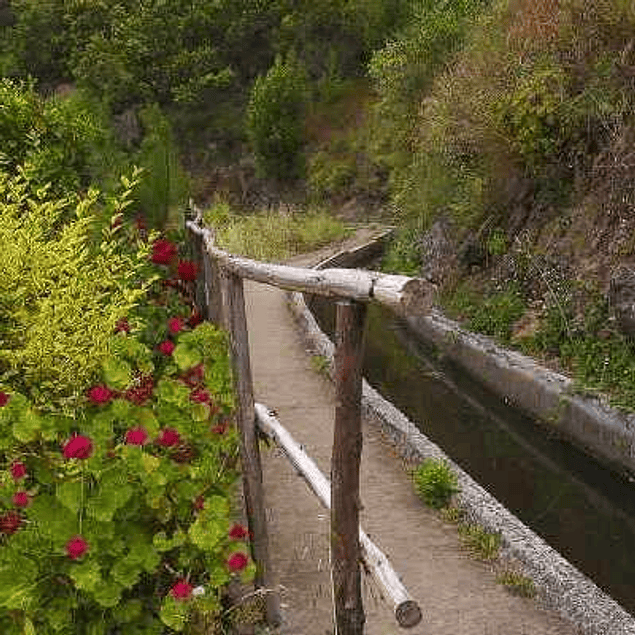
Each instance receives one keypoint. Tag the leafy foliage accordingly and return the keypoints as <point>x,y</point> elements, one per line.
<point>274,119</point>
<point>436,483</point>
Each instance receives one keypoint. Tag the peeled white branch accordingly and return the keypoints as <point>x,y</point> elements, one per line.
<point>407,611</point>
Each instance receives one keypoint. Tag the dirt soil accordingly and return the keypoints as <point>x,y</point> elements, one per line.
<point>457,594</point>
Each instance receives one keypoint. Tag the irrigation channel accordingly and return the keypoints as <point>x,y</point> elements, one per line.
<point>584,511</point>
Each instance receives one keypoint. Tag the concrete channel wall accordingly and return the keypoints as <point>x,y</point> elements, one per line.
<point>560,585</point>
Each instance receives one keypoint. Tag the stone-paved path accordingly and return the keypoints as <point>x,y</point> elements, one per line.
<point>458,595</point>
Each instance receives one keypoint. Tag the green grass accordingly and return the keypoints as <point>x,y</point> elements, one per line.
<point>481,544</point>
<point>435,483</point>
<point>517,583</point>
<point>273,236</point>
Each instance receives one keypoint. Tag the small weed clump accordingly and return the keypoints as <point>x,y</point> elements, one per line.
<point>320,365</point>
<point>482,544</point>
<point>436,483</point>
<point>517,583</point>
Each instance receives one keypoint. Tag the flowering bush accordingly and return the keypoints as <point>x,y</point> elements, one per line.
<point>114,518</point>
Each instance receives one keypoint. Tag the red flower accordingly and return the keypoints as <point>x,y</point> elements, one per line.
<point>100,394</point>
<point>196,318</point>
<point>18,470</point>
<point>237,562</point>
<point>136,436</point>
<point>4,399</point>
<point>163,251</point>
<point>10,522</point>
<point>187,270</point>
<point>167,347</point>
<point>182,590</point>
<point>175,325</point>
<point>78,447</point>
<point>221,428</point>
<point>122,326</point>
<point>199,503</point>
<point>76,547</point>
<point>21,499</point>
<point>200,395</point>
<point>169,437</point>
<point>141,391</point>
<point>194,375</point>
<point>238,532</point>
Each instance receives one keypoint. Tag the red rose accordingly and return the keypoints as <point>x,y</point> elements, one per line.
<point>169,437</point>
<point>175,325</point>
<point>163,251</point>
<point>76,547</point>
<point>10,522</point>
<point>237,562</point>
<point>122,326</point>
<point>18,470</point>
<point>200,395</point>
<point>21,499</point>
<point>238,532</point>
<point>167,347</point>
<point>4,399</point>
<point>78,447</point>
<point>187,270</point>
<point>136,436</point>
<point>100,394</point>
<point>182,590</point>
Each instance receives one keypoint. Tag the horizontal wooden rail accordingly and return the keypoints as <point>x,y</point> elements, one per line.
<point>402,294</point>
<point>407,611</point>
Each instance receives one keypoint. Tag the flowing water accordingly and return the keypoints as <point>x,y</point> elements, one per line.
<point>583,510</point>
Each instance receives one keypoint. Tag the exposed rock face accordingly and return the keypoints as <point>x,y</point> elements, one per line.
<point>438,251</point>
<point>622,299</point>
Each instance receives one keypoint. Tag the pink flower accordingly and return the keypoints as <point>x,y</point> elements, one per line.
<point>78,447</point>
<point>175,325</point>
<point>237,562</point>
<point>167,347</point>
<point>21,499</point>
<point>169,437</point>
<point>100,394</point>
<point>18,470</point>
<point>122,326</point>
<point>10,522</point>
<point>136,436</point>
<point>76,547</point>
<point>200,395</point>
<point>163,251</point>
<point>187,270</point>
<point>182,590</point>
<point>4,399</point>
<point>238,532</point>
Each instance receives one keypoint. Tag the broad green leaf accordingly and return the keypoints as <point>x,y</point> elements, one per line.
<point>126,572</point>
<point>150,463</point>
<point>29,629</point>
<point>211,525</point>
<point>174,614</point>
<point>27,427</point>
<point>107,593</point>
<point>86,576</point>
<point>70,494</point>
<point>186,356</point>
<point>200,412</point>
<point>128,611</point>
<point>173,392</point>
<point>18,584</point>
<point>162,543</point>
<point>114,492</point>
<point>121,409</point>
<point>117,373</point>
<point>145,417</point>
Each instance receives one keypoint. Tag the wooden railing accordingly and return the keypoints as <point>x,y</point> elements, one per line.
<point>221,293</point>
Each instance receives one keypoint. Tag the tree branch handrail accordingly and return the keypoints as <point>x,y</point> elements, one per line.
<point>402,294</point>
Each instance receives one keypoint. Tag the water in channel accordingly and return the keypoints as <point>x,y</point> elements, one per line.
<point>583,510</point>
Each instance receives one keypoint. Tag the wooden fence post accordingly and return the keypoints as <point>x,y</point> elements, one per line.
<point>347,450</point>
<point>236,324</point>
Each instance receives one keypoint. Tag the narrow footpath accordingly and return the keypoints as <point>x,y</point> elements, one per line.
<point>457,594</point>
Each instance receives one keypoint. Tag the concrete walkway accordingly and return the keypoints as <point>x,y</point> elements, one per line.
<point>458,595</point>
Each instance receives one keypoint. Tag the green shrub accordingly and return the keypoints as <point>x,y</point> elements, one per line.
<point>402,255</point>
<point>436,483</point>
<point>482,544</point>
<point>275,117</point>
<point>61,293</point>
<point>330,174</point>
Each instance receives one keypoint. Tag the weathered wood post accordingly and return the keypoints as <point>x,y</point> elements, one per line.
<point>347,450</point>
<point>236,324</point>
